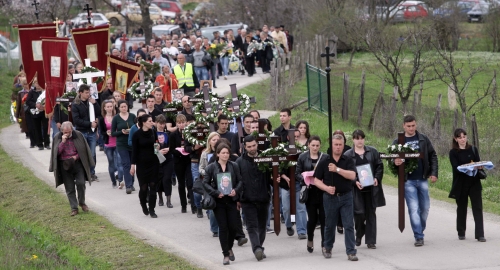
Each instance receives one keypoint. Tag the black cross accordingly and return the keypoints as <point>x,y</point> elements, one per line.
<point>89,13</point>
<point>35,3</point>
<point>327,54</point>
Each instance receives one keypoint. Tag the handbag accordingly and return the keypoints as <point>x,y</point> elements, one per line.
<point>480,174</point>
<point>304,191</point>
<point>208,202</point>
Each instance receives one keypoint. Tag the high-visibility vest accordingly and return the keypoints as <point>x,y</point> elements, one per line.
<point>184,77</point>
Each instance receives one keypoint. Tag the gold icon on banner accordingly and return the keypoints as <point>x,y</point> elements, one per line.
<point>92,52</point>
<point>121,81</point>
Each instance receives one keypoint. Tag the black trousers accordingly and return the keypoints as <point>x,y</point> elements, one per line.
<point>472,190</point>
<point>31,128</point>
<point>185,180</point>
<point>166,172</point>
<point>74,181</point>
<point>366,224</point>
<point>256,220</point>
<point>227,218</point>
<point>250,65</point>
<point>41,124</point>
<point>147,184</point>
<point>265,64</point>
<point>315,213</point>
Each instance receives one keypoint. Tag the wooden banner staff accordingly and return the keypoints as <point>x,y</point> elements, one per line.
<point>401,178</point>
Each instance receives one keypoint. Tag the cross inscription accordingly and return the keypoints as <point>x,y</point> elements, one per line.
<point>401,178</point>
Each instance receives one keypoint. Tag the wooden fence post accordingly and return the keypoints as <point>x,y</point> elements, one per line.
<point>475,135</point>
<point>376,108</point>
<point>345,98</point>
<point>392,123</point>
<point>361,99</point>
<point>436,123</point>
<point>494,88</point>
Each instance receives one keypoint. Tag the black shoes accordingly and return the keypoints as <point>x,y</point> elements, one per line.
<point>145,209</point>
<point>371,246</point>
<point>419,242</point>
<point>340,230</point>
<point>199,213</point>
<point>231,255</point>
<point>215,234</point>
<point>225,261</point>
<point>358,242</point>
<point>242,241</point>
<point>259,254</point>
<point>461,237</point>
<point>129,190</point>
<point>310,246</point>
<point>153,214</point>
<point>169,203</point>
<point>352,257</point>
<point>184,210</point>
<point>160,201</point>
<point>194,210</point>
<point>290,231</point>
<point>40,147</point>
<point>327,253</point>
<point>481,239</point>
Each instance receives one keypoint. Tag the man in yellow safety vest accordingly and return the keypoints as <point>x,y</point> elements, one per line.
<point>186,77</point>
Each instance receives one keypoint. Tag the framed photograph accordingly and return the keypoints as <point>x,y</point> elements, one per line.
<point>224,183</point>
<point>206,82</point>
<point>55,66</point>
<point>36,46</point>
<point>121,79</point>
<point>93,91</point>
<point>71,86</point>
<point>177,94</point>
<point>92,52</point>
<point>162,137</point>
<point>365,175</point>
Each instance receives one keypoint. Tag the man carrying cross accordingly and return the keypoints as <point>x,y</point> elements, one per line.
<point>416,185</point>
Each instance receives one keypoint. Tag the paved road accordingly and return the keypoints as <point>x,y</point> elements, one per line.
<point>190,237</point>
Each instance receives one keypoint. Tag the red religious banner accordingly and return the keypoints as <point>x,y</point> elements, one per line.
<point>55,67</point>
<point>93,43</point>
<point>123,73</point>
<point>31,48</point>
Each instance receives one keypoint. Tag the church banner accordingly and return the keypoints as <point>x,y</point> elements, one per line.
<point>93,43</point>
<point>123,73</point>
<point>55,67</point>
<point>31,49</point>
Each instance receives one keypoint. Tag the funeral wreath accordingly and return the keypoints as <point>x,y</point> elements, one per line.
<point>410,164</point>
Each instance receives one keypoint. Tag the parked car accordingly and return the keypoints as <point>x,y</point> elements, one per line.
<point>166,29</point>
<point>167,5</point>
<point>97,19</point>
<point>451,7</point>
<point>5,45</point>
<point>128,44</point>
<point>408,11</point>
<point>479,12</point>
<point>208,31</point>
<point>133,12</point>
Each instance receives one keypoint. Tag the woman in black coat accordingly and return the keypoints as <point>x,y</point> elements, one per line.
<point>222,181</point>
<point>366,199</point>
<point>144,157</point>
<point>314,205</point>
<point>465,186</point>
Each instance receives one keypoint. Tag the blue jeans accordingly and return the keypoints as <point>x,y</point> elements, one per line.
<point>201,73</point>
<point>100,141</point>
<point>334,204</point>
<point>214,226</point>
<point>126,157</point>
<point>114,164</point>
<point>55,130</point>
<point>195,171</point>
<point>301,213</point>
<point>418,202</point>
<point>224,61</point>
<point>91,138</point>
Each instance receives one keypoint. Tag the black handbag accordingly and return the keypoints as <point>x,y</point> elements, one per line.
<point>481,174</point>
<point>304,194</point>
<point>208,202</point>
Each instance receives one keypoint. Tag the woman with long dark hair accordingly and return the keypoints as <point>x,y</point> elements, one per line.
<point>221,176</point>
<point>465,186</point>
<point>303,127</point>
<point>316,214</point>
<point>146,162</point>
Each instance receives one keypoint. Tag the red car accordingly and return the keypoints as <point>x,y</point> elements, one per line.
<point>167,5</point>
<point>410,10</point>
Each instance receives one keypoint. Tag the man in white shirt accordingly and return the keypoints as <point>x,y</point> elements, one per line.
<point>171,51</point>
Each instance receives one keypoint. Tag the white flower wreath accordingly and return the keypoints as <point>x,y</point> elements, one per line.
<point>188,136</point>
<point>244,106</point>
<point>148,87</point>
<point>210,117</point>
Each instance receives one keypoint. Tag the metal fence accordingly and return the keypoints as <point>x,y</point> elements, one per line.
<point>317,90</point>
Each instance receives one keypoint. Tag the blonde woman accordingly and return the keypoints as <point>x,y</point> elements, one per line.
<point>212,139</point>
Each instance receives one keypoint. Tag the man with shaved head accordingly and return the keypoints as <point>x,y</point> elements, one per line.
<point>186,76</point>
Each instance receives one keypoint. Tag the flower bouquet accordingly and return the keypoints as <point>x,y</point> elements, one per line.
<point>215,49</point>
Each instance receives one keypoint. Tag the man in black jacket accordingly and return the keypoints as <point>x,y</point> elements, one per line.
<point>255,196</point>
<point>282,130</point>
<point>416,184</point>
<point>80,110</point>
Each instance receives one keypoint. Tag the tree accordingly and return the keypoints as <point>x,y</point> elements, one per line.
<point>21,12</point>
<point>146,23</point>
<point>401,53</point>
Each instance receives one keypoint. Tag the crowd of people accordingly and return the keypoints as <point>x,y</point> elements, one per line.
<point>150,146</point>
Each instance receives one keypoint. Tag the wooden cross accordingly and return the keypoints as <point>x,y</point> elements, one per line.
<point>327,55</point>
<point>35,3</point>
<point>200,132</point>
<point>123,48</point>
<point>88,76</point>
<point>293,155</point>
<point>208,104</point>
<point>275,162</point>
<point>88,9</point>
<point>401,178</point>
<point>262,139</point>
<point>57,22</point>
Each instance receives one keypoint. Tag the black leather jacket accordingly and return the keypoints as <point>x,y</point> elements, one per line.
<point>378,198</point>
<point>256,184</point>
<point>81,116</point>
<point>210,178</point>
<point>430,159</point>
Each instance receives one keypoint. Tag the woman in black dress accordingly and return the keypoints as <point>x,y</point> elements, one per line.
<point>222,181</point>
<point>465,186</point>
<point>144,157</point>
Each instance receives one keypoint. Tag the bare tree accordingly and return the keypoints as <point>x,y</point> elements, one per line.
<point>49,10</point>
<point>492,28</point>
<point>401,55</point>
<point>458,75</point>
<point>146,23</point>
